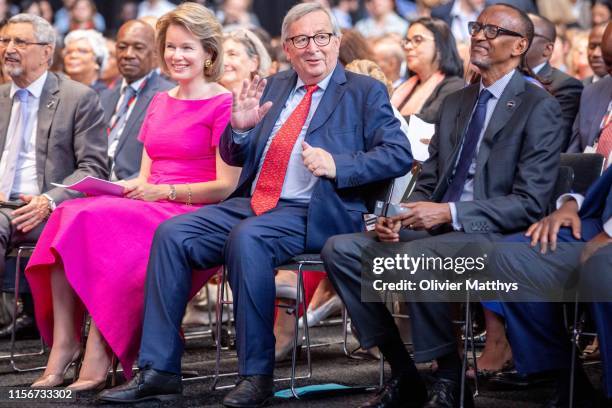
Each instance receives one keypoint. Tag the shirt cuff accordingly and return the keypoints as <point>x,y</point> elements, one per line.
<point>239,137</point>
<point>566,197</point>
<point>52,205</point>
<point>608,227</point>
<point>453,210</point>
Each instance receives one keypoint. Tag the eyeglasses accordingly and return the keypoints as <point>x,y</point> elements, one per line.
<point>78,51</point>
<point>415,41</point>
<point>302,41</point>
<point>490,31</point>
<point>18,42</point>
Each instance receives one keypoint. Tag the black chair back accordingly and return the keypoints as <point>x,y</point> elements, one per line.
<point>587,168</point>
<point>563,185</point>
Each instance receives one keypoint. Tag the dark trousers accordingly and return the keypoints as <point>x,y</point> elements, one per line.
<point>432,327</point>
<point>250,247</point>
<point>536,330</point>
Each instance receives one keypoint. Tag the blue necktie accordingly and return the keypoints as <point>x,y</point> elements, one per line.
<point>9,163</point>
<point>468,151</point>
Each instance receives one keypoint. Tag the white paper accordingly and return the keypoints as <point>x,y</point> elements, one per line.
<point>417,130</point>
<point>94,186</point>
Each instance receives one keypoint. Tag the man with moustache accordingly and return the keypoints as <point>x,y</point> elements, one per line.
<point>564,88</point>
<point>51,131</point>
<point>595,56</point>
<point>493,163</point>
<point>125,105</point>
<point>311,142</point>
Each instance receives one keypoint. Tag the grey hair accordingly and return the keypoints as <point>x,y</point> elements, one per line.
<point>254,48</point>
<point>96,42</point>
<point>43,31</point>
<point>302,9</point>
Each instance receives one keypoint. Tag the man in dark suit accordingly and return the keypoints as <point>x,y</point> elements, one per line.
<point>545,259</point>
<point>311,141</point>
<point>493,162</point>
<point>126,104</point>
<point>51,131</point>
<point>565,88</point>
<point>594,105</point>
<point>595,55</point>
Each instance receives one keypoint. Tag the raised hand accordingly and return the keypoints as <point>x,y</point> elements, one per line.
<point>246,111</point>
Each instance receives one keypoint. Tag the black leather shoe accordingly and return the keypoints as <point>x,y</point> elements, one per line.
<point>25,328</point>
<point>148,384</point>
<point>446,393</point>
<point>584,394</point>
<point>251,391</point>
<point>401,391</point>
<point>513,379</point>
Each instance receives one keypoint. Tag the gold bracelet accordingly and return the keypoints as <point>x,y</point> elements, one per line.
<point>188,194</point>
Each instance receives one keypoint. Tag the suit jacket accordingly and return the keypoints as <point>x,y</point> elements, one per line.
<point>516,165</point>
<point>597,203</point>
<point>129,149</point>
<point>354,122</point>
<point>567,90</point>
<point>593,106</point>
<point>70,139</point>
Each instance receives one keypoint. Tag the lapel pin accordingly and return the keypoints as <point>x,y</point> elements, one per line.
<point>510,104</point>
<point>51,103</point>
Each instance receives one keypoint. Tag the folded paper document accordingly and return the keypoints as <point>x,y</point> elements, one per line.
<point>94,186</point>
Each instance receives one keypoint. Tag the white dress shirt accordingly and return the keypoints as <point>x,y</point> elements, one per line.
<point>26,180</point>
<point>579,198</point>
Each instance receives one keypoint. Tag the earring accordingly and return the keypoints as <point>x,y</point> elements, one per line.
<point>207,63</point>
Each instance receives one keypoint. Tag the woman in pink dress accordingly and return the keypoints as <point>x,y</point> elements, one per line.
<point>93,251</point>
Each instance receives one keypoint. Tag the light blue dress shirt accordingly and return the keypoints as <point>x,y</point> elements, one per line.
<point>497,89</point>
<point>299,181</point>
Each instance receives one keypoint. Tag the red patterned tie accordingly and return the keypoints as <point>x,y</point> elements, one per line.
<point>272,175</point>
<point>604,145</point>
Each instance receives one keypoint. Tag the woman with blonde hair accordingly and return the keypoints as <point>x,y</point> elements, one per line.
<point>92,254</point>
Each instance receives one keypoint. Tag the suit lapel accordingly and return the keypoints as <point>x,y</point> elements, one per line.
<point>5,115</point>
<point>112,104</point>
<point>505,108</point>
<point>329,102</point>
<point>139,109</point>
<point>49,100</point>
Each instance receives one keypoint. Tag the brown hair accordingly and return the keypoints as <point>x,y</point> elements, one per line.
<point>371,69</point>
<point>200,22</point>
<point>354,46</point>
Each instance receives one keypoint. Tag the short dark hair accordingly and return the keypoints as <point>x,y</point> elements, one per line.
<point>607,3</point>
<point>446,46</point>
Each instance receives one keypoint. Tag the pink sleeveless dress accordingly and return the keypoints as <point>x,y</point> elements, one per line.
<point>104,242</point>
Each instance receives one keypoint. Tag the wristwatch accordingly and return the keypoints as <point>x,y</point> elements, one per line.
<point>51,202</point>
<point>172,193</point>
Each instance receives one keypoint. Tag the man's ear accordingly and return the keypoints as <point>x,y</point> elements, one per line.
<point>549,49</point>
<point>520,47</point>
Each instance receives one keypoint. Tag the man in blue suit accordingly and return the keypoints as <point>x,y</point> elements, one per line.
<point>545,259</point>
<point>311,142</point>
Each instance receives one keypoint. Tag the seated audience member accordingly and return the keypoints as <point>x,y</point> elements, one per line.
<point>75,265</point>
<point>564,88</point>
<point>46,118</point>
<point>110,74</point>
<point>601,12</point>
<point>154,8</point>
<point>578,61</point>
<point>595,55</point>
<point>85,56</point>
<point>457,14</point>
<point>4,77</point>
<point>389,55</point>
<point>537,333</point>
<point>290,193</point>
<point>342,10</point>
<point>513,148</point>
<point>125,105</point>
<point>381,20</point>
<point>595,110</point>
<point>354,46</point>
<point>324,301</point>
<point>237,12</point>
<point>435,67</point>
<point>244,56</point>
<point>63,18</point>
<point>83,16</point>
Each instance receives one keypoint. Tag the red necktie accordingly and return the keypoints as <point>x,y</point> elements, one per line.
<point>272,174</point>
<point>604,145</point>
